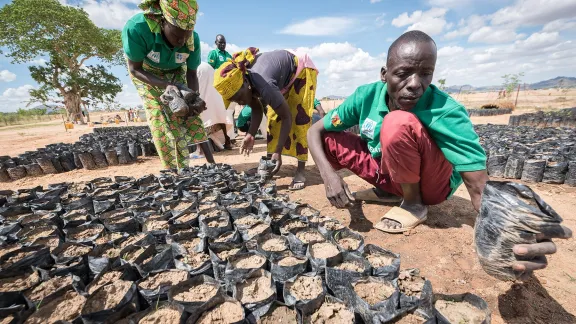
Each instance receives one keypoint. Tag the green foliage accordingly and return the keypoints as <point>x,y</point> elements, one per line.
<point>65,34</point>
<point>442,84</point>
<point>511,82</point>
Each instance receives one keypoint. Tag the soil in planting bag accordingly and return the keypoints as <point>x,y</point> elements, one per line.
<point>219,255</point>
<point>155,286</point>
<point>510,214</point>
<point>384,263</point>
<point>67,162</point>
<point>74,218</point>
<point>274,312</point>
<point>196,294</point>
<point>112,274</point>
<point>514,167</point>
<point>272,244</point>
<point>4,177</point>
<point>38,256</point>
<point>256,290</point>
<point>140,239</point>
<point>123,224</point>
<point>101,206</point>
<point>376,299</point>
<point>79,203</point>
<point>196,263</point>
<point>259,229</point>
<point>76,267</point>
<point>112,238</point>
<point>183,207</point>
<point>416,292</point>
<point>293,225</point>
<point>162,312</point>
<point>162,260</point>
<point>179,229</point>
<point>571,175</point>
<point>464,308</point>
<point>352,266</point>
<point>555,172</point>
<point>14,314</point>
<point>111,303</point>
<point>240,208</point>
<point>322,254</point>
<point>286,266</point>
<point>123,154</point>
<point>9,232</point>
<point>84,233</point>
<point>77,161</point>
<point>496,165</point>
<point>13,213</point>
<point>57,165</point>
<point>17,172</point>
<point>241,265</point>
<point>212,227</point>
<point>14,283</point>
<point>64,308</point>
<point>306,292</point>
<point>50,287</point>
<point>102,256</point>
<point>133,150</point>
<point>87,160</point>
<point>67,252</point>
<point>348,240</point>
<point>332,310</point>
<point>147,149</point>
<point>33,170</point>
<point>187,243</point>
<point>46,165</point>
<point>225,310</point>
<point>99,158</point>
<point>228,237</point>
<point>533,170</point>
<point>111,157</point>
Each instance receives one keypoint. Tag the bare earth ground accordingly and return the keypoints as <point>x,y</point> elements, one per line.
<point>442,248</point>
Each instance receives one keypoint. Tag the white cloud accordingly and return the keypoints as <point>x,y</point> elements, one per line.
<point>534,12</point>
<point>448,51</point>
<point>320,26</point>
<point>39,61</point>
<point>14,98</point>
<point>559,25</point>
<point>538,41</point>
<point>205,48</point>
<point>449,3</point>
<point>467,26</point>
<point>7,76</point>
<point>431,21</point>
<point>492,35</point>
<point>109,13</point>
<point>375,1</point>
<point>329,50</point>
<point>380,20</point>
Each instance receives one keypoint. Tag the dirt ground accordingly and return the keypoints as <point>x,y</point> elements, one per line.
<point>442,248</point>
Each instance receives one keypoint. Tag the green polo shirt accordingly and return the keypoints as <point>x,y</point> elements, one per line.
<point>217,57</point>
<point>445,119</point>
<point>244,116</point>
<point>316,103</point>
<point>142,45</point>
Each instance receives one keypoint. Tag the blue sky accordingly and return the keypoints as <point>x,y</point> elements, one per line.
<point>478,41</point>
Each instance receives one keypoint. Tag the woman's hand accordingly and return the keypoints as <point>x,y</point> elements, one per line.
<point>278,158</point>
<point>247,145</point>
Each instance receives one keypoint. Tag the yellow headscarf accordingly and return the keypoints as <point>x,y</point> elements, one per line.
<point>229,77</point>
<point>180,13</point>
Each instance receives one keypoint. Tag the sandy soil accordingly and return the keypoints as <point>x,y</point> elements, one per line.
<point>442,247</point>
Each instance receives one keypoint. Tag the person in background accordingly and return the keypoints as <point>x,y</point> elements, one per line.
<point>319,113</point>
<point>417,145</point>
<point>163,53</point>
<point>218,56</point>
<point>283,81</point>
<point>244,119</point>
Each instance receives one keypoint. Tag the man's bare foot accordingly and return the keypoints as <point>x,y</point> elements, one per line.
<point>417,210</point>
<point>298,182</point>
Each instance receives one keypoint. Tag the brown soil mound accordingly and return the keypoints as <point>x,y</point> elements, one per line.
<point>249,262</point>
<point>410,319</point>
<point>210,213</point>
<point>199,293</point>
<point>306,211</point>
<point>65,308</point>
<point>7,320</point>
<point>38,233</point>
<point>196,260</point>
<point>9,248</point>
<point>305,288</point>
<point>19,283</point>
<point>108,297</point>
<point>48,287</point>
<point>156,225</point>
<point>310,236</point>
<point>333,225</point>
<point>351,266</point>
<point>105,279</point>
<point>290,261</point>
<point>225,313</point>
<point>410,285</point>
<point>205,207</point>
<point>349,243</point>
<point>133,240</point>
<point>85,233</point>
<point>255,289</point>
<point>280,315</point>
<point>112,252</point>
<point>257,230</point>
<point>168,314</point>
<point>222,222</point>
<point>332,313</point>
<point>187,218</point>
<point>183,206</point>
<point>224,237</point>
<point>75,251</point>
<point>324,250</point>
<point>275,244</point>
<point>373,292</point>
<point>224,255</point>
<point>133,255</point>
<point>244,204</point>
<point>460,312</point>
<point>248,221</point>
<point>118,220</point>
<point>189,245</point>
<point>379,260</point>
<point>209,199</point>
<point>293,224</point>
<point>168,278</point>
<point>51,242</point>
<point>17,257</point>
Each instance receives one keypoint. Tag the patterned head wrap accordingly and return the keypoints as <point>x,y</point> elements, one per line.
<point>229,77</point>
<point>180,13</point>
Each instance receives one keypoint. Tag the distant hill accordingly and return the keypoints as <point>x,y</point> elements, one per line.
<point>567,82</point>
<point>332,97</point>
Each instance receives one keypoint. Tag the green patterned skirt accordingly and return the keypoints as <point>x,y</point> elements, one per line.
<point>171,134</point>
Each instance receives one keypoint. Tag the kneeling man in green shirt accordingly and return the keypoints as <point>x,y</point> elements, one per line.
<point>416,145</point>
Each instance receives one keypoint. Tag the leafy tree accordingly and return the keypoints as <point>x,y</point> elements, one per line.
<point>442,83</point>
<point>511,82</point>
<point>65,34</point>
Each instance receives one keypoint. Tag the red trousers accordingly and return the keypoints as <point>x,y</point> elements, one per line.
<point>409,155</point>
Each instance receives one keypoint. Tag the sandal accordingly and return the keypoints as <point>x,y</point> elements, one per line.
<point>402,216</point>
<point>294,183</point>
<point>371,196</point>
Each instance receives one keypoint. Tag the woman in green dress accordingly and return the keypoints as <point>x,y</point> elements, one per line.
<point>163,53</point>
